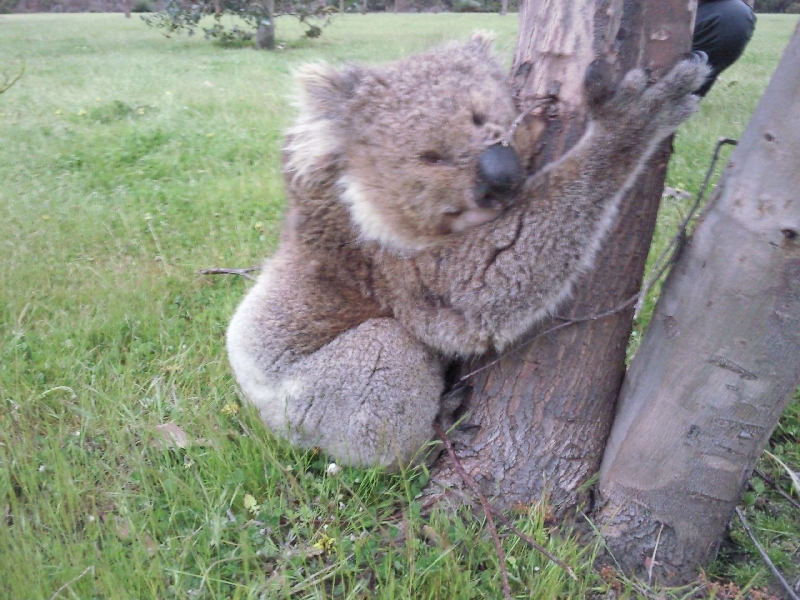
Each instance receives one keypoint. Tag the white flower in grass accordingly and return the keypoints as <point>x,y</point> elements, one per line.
<point>333,470</point>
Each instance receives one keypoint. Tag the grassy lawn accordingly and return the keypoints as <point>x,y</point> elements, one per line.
<point>129,161</point>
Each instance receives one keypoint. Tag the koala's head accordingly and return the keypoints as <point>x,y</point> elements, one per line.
<point>415,144</point>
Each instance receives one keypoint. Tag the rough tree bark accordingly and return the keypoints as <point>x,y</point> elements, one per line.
<point>720,359</point>
<point>545,410</point>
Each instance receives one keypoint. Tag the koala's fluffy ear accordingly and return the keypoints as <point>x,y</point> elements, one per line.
<point>482,40</point>
<point>315,141</point>
<point>325,89</point>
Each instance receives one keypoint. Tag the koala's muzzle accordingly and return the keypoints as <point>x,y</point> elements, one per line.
<point>499,174</point>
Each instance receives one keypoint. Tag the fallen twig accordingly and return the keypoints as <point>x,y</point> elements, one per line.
<point>764,556</point>
<point>208,571</point>
<point>225,271</point>
<point>653,557</point>
<point>777,488</point>
<point>534,544</point>
<point>793,477</point>
<point>9,81</point>
<point>484,503</point>
<point>71,581</point>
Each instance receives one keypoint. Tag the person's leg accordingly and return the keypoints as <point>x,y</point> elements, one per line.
<point>722,30</point>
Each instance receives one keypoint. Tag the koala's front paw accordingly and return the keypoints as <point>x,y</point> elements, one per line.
<point>653,109</point>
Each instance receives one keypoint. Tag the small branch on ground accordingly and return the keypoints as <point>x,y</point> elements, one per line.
<point>653,557</point>
<point>764,556</point>
<point>771,482</point>
<point>71,581</point>
<point>534,544</point>
<point>489,511</point>
<point>225,271</point>
<point>484,503</point>
<point>9,81</point>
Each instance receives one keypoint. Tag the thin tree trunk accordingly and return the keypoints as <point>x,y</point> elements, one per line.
<point>720,359</point>
<point>128,8</point>
<point>545,411</point>
<point>265,34</point>
<point>503,8</point>
<point>341,7</point>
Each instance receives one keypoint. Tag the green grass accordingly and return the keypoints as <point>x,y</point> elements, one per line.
<point>128,162</point>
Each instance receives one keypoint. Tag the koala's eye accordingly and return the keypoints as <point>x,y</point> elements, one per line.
<point>452,212</point>
<point>432,158</point>
<point>478,119</point>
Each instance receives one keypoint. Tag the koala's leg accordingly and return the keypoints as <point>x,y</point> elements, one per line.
<point>368,397</point>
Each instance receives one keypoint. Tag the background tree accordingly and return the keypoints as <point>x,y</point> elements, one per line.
<point>257,18</point>
<point>776,6</point>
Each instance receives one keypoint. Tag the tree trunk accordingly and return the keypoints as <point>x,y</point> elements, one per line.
<point>128,8</point>
<point>503,8</point>
<point>265,34</point>
<point>545,410</point>
<point>719,362</point>
<point>341,7</point>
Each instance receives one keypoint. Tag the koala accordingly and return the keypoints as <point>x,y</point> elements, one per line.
<point>413,237</point>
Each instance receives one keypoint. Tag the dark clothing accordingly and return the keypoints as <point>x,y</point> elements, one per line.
<point>722,30</point>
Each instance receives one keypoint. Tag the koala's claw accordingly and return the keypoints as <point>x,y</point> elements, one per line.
<point>686,76</point>
<point>651,109</point>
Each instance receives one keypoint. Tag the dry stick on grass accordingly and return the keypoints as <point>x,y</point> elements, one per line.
<point>534,544</point>
<point>770,481</point>
<point>497,513</point>
<point>9,81</point>
<point>211,566</point>
<point>763,554</point>
<point>224,271</point>
<point>653,557</point>
<point>71,581</point>
<point>484,503</point>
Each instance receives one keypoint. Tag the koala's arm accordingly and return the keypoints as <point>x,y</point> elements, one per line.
<point>496,282</point>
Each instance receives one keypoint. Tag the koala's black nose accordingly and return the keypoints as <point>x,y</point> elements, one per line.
<point>499,173</point>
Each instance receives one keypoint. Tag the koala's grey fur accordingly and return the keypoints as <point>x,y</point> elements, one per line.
<point>387,266</point>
